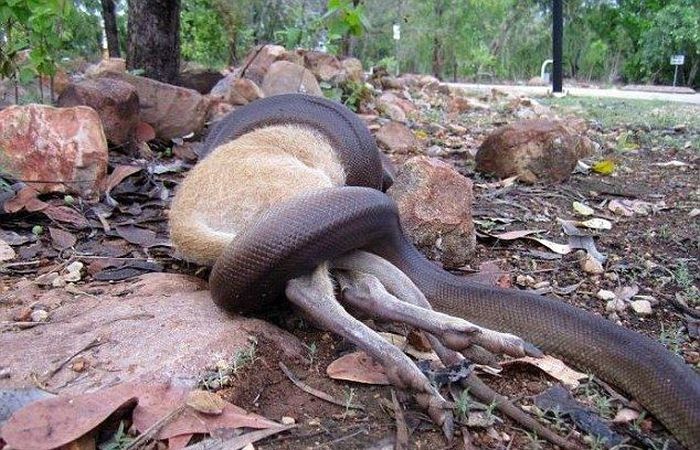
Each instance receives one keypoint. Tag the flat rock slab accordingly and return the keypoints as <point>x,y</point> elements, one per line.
<point>156,327</point>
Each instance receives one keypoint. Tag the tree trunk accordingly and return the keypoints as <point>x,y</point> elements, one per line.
<point>438,53</point>
<point>154,38</point>
<point>110,21</point>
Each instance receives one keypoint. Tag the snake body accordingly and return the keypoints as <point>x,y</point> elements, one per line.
<point>293,237</point>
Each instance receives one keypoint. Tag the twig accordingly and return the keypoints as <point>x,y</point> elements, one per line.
<point>315,392</point>
<point>152,432</point>
<point>21,325</point>
<point>95,343</point>
<point>401,427</point>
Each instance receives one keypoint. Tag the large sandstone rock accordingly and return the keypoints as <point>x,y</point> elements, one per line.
<point>115,101</point>
<point>324,66</point>
<point>173,111</point>
<point>538,150</point>
<point>106,65</point>
<point>435,207</point>
<point>258,62</point>
<point>285,77</point>
<point>237,91</point>
<point>157,327</point>
<point>397,138</point>
<point>353,70</point>
<point>62,149</point>
<point>397,108</point>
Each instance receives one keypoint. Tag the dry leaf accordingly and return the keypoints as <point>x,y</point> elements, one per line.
<point>118,175</point>
<point>517,234</point>
<point>137,235</point>
<point>57,421</point>
<point>553,367</point>
<point>357,367</point>
<point>582,209</point>
<point>25,199</point>
<point>62,239</point>
<point>604,167</point>
<point>596,224</point>
<point>561,249</point>
<point>66,215</point>
<point>205,402</point>
<point>145,132</point>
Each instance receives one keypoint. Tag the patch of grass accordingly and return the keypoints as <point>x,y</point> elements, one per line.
<point>672,338</point>
<point>462,405</point>
<point>311,352</point>
<point>226,371</point>
<point>120,440</point>
<point>611,113</point>
<point>348,398</point>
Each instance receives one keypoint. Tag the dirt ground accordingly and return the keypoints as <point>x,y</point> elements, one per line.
<point>658,252</point>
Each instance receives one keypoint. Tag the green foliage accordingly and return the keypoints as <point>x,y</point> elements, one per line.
<point>202,39</point>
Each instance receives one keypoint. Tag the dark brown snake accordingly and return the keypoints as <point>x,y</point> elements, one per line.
<point>292,238</point>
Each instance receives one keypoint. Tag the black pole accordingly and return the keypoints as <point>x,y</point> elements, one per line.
<point>557,44</point>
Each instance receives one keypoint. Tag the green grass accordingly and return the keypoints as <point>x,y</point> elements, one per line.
<point>612,112</point>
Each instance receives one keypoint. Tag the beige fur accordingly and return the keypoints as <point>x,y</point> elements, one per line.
<point>240,179</point>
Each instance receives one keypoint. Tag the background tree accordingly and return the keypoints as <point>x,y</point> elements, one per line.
<point>110,22</point>
<point>153,37</point>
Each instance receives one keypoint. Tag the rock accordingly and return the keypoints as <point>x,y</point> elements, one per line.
<point>460,104</point>
<point>392,111</point>
<point>64,146</point>
<point>116,102</point>
<point>538,150</point>
<point>641,307</point>
<point>435,206</point>
<point>353,70</point>
<point>258,62</point>
<point>106,65</point>
<point>536,81</point>
<point>237,91</point>
<point>285,77</point>
<point>200,79</point>
<point>591,265</point>
<point>389,98</point>
<point>169,329</point>
<point>218,109</point>
<point>397,138</point>
<point>173,111</point>
<point>437,87</point>
<point>324,66</point>
<point>286,420</point>
<point>604,294</point>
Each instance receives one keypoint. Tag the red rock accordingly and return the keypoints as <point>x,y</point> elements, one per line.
<point>435,206</point>
<point>537,150</point>
<point>397,138</point>
<point>258,62</point>
<point>237,91</point>
<point>64,146</point>
<point>116,102</point>
<point>324,66</point>
<point>107,65</point>
<point>353,69</point>
<point>285,77</point>
<point>173,111</point>
<point>200,79</point>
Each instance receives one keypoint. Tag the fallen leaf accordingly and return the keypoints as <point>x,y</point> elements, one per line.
<point>66,215</point>
<point>553,367</point>
<point>25,199</point>
<point>53,422</point>
<point>517,234</point>
<point>136,235</point>
<point>118,175</point>
<point>14,399</point>
<point>205,402</point>
<point>582,209</point>
<point>61,239</point>
<point>596,224</point>
<point>561,249</point>
<point>604,167</point>
<point>6,252</point>
<point>157,401</point>
<point>13,238</point>
<point>357,367</point>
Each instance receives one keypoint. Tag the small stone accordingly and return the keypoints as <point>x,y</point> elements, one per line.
<point>642,307</point>
<point>591,265</point>
<point>39,315</point>
<point>524,280</point>
<point>315,422</point>
<point>286,420</point>
<point>206,402</point>
<point>58,282</point>
<point>692,357</point>
<point>626,415</point>
<point>249,446</point>
<point>615,305</point>
<point>22,315</point>
<point>541,285</point>
<point>604,294</point>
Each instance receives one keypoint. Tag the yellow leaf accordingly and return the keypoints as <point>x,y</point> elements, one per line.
<point>420,134</point>
<point>604,167</point>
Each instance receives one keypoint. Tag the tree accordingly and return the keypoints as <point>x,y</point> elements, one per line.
<point>153,41</point>
<point>110,20</point>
